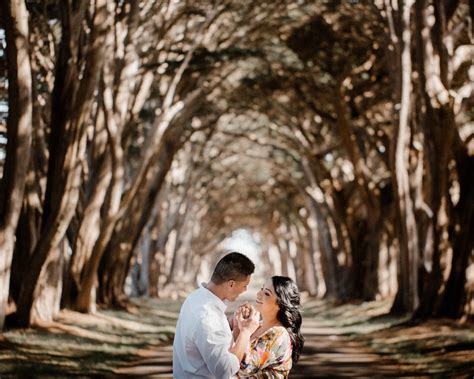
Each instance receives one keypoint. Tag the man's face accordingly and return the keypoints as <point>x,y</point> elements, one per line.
<point>236,288</point>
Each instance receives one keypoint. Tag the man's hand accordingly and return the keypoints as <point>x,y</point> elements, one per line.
<point>248,319</point>
<point>245,310</point>
<point>242,309</point>
<point>246,327</point>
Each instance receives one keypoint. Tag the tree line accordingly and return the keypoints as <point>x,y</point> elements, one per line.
<point>140,133</point>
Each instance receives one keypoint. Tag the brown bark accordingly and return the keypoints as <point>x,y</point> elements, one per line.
<point>455,296</point>
<point>155,268</point>
<point>72,100</point>
<point>367,238</point>
<point>122,98</point>
<point>283,254</point>
<point>85,301</point>
<point>28,229</point>
<point>307,272</point>
<point>47,302</point>
<point>107,189</point>
<point>89,230</point>
<point>89,221</point>
<point>320,233</point>
<point>316,206</point>
<point>19,122</point>
<point>160,232</point>
<point>439,130</point>
<point>181,218</point>
<point>136,198</point>
<point>117,257</point>
<point>407,298</point>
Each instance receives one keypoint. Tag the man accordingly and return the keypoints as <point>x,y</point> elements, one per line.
<point>203,345</point>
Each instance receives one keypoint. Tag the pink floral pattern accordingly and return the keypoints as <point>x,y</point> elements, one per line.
<point>268,356</point>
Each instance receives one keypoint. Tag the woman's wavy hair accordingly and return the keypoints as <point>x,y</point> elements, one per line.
<point>288,299</point>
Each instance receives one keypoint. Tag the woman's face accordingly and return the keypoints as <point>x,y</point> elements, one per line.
<point>266,302</point>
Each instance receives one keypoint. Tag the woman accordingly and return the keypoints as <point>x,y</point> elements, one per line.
<point>276,345</point>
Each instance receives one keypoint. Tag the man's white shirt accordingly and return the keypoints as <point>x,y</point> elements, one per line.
<point>203,338</point>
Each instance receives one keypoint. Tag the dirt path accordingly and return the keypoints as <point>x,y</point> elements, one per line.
<point>325,354</point>
<point>345,341</point>
<point>328,354</point>
<point>360,341</point>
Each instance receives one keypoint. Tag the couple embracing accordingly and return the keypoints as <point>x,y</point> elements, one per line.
<point>258,341</point>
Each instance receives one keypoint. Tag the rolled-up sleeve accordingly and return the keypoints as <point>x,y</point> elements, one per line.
<point>214,344</point>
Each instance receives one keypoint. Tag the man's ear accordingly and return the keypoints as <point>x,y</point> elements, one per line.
<point>231,283</point>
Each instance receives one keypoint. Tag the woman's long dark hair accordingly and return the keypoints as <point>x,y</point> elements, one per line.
<point>288,299</point>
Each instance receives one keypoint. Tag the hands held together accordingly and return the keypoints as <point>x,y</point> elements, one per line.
<point>246,319</point>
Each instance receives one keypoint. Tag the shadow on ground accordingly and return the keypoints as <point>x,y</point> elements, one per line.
<point>353,340</point>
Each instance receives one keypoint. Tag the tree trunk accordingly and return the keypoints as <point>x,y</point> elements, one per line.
<point>407,296</point>
<point>90,225</point>
<point>307,264</point>
<point>282,254</point>
<point>119,78</point>
<point>19,126</point>
<point>145,186</point>
<point>47,301</point>
<point>72,101</point>
<point>455,296</point>
<point>154,273</point>
<point>318,224</point>
<point>362,283</point>
<point>28,230</point>
<point>439,131</point>
<point>137,209</point>
<point>156,256</point>
<point>117,259</point>
<point>86,298</point>
<point>370,223</point>
<point>329,264</point>
<point>141,267</point>
<point>182,239</point>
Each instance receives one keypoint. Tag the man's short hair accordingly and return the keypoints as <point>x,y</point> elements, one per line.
<point>233,266</point>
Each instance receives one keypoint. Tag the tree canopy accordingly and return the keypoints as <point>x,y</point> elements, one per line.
<point>140,134</point>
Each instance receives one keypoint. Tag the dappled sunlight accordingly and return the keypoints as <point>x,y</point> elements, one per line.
<point>349,318</point>
<point>93,343</point>
<point>149,363</point>
<point>444,339</point>
<point>346,340</point>
<point>362,339</point>
<point>329,141</point>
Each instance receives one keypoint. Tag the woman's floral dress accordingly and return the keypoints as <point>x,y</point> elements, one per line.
<point>268,356</point>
